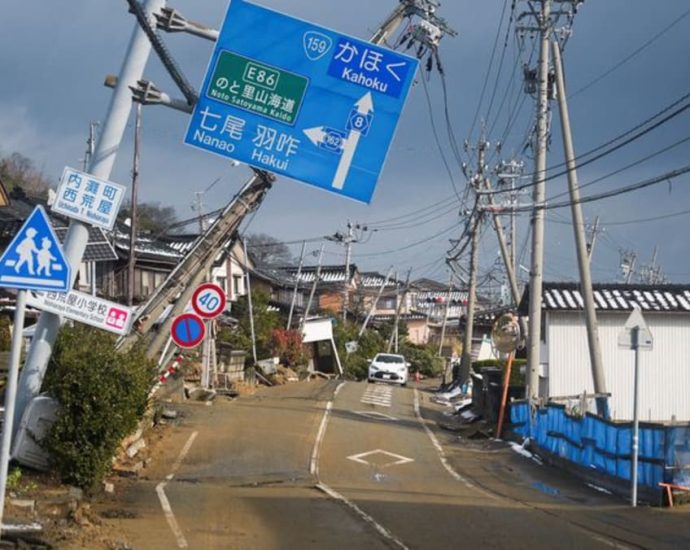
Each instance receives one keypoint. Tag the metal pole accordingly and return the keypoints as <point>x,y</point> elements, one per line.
<point>537,267</point>
<point>206,358</point>
<point>78,234</point>
<point>580,241</point>
<point>10,396</point>
<point>131,262</point>
<point>313,286</point>
<point>373,305</point>
<point>294,293</point>
<point>636,419</point>
<point>504,395</point>
<point>249,299</point>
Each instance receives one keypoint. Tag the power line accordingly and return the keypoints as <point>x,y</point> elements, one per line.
<point>608,194</point>
<point>632,138</point>
<point>627,58</point>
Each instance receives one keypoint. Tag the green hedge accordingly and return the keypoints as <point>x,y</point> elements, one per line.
<point>516,377</point>
<point>102,395</point>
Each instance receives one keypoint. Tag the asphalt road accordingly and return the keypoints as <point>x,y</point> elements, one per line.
<point>297,467</point>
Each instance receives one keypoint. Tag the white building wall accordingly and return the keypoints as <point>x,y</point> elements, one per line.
<point>664,371</point>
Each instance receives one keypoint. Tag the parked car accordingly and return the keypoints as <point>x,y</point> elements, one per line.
<point>388,367</point>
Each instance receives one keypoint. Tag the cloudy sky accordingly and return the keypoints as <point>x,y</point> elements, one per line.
<point>626,61</point>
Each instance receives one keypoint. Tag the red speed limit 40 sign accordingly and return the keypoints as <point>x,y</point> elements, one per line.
<point>208,301</point>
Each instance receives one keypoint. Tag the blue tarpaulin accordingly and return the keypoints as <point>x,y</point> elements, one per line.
<point>592,442</point>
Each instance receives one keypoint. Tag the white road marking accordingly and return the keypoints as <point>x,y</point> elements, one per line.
<point>162,497</point>
<point>385,533</point>
<point>378,395</point>
<point>314,465</point>
<point>400,459</point>
<point>377,415</point>
<point>314,469</point>
<point>437,445</point>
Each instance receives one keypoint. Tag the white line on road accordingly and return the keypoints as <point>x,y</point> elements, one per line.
<point>162,497</point>
<point>385,533</point>
<point>437,445</point>
<point>314,469</point>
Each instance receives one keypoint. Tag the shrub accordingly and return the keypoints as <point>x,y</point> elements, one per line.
<point>102,396</point>
<point>516,377</point>
<point>287,344</point>
<point>423,358</point>
<point>356,364</point>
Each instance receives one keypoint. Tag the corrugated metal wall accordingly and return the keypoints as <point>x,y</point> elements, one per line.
<point>664,371</point>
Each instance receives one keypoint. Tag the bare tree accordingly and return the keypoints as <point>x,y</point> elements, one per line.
<point>269,251</point>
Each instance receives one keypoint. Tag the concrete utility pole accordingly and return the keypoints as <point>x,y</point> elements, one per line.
<point>294,292</point>
<point>445,314</point>
<point>317,276</point>
<point>539,195</point>
<point>580,241</point>
<point>249,300</point>
<point>78,234</point>
<point>348,240</point>
<point>506,256</point>
<point>375,302</point>
<point>348,254</point>
<point>478,182</point>
<point>133,226</point>
<point>394,335</point>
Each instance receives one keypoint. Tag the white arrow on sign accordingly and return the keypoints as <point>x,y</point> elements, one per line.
<point>316,135</point>
<point>364,107</point>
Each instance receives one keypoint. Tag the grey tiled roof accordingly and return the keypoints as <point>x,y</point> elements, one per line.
<point>615,297</point>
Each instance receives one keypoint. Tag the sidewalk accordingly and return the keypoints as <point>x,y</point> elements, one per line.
<point>512,473</point>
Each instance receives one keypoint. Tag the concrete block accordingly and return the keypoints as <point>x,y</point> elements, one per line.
<point>135,447</point>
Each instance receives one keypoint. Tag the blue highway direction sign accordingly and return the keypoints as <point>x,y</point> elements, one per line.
<point>290,97</point>
<point>34,259</point>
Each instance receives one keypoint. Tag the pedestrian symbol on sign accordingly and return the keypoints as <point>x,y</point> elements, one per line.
<point>34,259</point>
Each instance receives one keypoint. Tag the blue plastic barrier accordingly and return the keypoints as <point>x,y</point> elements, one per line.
<point>592,442</point>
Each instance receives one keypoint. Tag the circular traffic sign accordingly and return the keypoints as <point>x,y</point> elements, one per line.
<point>188,330</point>
<point>208,301</point>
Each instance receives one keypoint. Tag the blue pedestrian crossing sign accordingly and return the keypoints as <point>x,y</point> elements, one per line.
<point>34,259</point>
<point>284,95</point>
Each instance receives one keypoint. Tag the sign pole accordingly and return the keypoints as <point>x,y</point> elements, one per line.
<point>636,416</point>
<point>10,397</point>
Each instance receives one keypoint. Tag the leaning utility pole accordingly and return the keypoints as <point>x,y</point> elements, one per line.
<point>466,359</point>
<point>78,234</point>
<point>394,334</point>
<point>317,276</point>
<point>539,195</point>
<point>348,254</point>
<point>297,278</point>
<point>384,284</point>
<point>133,226</point>
<point>580,241</point>
<point>445,313</point>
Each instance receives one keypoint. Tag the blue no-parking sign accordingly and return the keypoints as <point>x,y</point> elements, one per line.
<point>290,97</point>
<point>34,259</point>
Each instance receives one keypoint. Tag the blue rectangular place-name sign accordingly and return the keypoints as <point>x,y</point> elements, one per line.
<point>285,95</point>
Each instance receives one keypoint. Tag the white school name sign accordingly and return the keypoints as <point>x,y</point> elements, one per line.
<point>84,308</point>
<point>88,199</point>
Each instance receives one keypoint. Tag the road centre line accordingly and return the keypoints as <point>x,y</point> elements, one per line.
<point>314,469</point>
<point>162,497</point>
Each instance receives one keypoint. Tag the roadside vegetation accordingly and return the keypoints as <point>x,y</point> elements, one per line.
<point>102,395</point>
